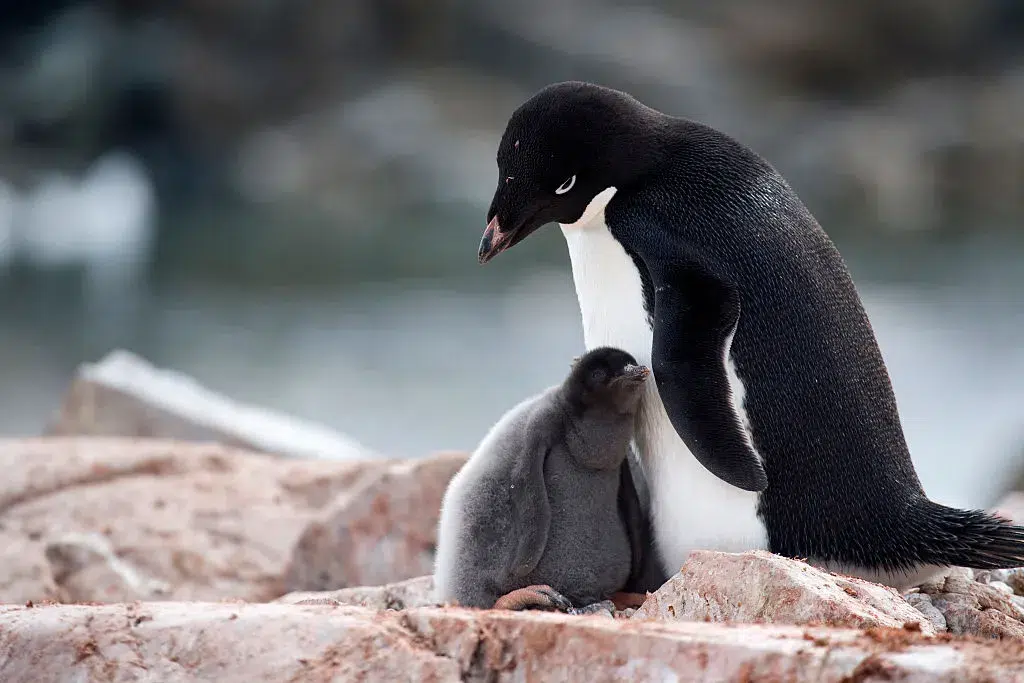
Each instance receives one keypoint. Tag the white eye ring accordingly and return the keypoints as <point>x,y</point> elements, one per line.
<point>566,186</point>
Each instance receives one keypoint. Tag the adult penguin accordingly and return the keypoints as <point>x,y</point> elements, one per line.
<point>772,421</point>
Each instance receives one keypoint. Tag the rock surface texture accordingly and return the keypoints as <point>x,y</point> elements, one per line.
<point>416,592</point>
<point>760,587</point>
<point>386,519</point>
<point>193,542</point>
<point>108,520</point>
<point>975,603</point>
<point>171,642</point>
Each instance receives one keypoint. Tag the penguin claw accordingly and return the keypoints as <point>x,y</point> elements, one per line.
<point>534,597</point>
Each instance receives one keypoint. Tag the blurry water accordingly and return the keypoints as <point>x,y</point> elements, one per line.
<point>414,367</point>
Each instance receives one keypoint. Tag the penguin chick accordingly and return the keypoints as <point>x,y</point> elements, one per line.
<point>535,517</point>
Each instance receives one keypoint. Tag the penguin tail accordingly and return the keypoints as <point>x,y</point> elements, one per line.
<point>965,538</point>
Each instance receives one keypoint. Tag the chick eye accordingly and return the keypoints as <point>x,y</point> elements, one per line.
<point>598,376</point>
<point>566,186</point>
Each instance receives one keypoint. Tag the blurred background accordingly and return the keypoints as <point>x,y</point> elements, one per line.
<point>283,198</point>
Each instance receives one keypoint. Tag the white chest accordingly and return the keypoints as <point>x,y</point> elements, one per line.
<point>691,508</point>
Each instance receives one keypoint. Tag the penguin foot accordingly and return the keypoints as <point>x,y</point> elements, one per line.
<point>628,600</point>
<point>605,608</point>
<point>534,597</point>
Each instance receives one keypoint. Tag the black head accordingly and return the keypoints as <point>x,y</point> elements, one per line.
<point>606,376</point>
<point>561,148</point>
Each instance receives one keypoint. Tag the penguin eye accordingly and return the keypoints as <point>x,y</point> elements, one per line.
<point>598,376</point>
<point>566,186</point>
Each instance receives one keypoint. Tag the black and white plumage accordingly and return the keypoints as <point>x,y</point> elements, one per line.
<point>546,498</point>
<point>693,253</point>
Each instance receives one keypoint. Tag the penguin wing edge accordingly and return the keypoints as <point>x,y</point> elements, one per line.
<point>645,570</point>
<point>695,316</point>
<point>532,512</point>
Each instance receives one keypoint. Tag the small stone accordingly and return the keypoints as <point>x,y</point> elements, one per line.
<point>964,619</point>
<point>1015,579</point>
<point>958,580</point>
<point>1000,586</point>
<point>984,576</point>
<point>605,608</point>
<point>923,604</point>
<point>998,575</point>
<point>990,597</point>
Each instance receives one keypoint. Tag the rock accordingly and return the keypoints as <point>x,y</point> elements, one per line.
<point>983,607</point>
<point>385,523</point>
<point>964,616</point>
<point>106,520</point>
<point>759,586</point>
<point>416,592</point>
<point>923,604</point>
<point>986,576</point>
<point>25,574</point>
<point>84,565</point>
<point>172,642</point>
<point>123,395</point>
<point>1012,578</point>
<point>956,580</point>
<point>1015,579</point>
<point>988,597</point>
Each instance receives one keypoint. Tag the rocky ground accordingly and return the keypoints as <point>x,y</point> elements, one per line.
<point>131,559</point>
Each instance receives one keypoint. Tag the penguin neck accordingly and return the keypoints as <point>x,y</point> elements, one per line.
<point>690,507</point>
<point>608,285</point>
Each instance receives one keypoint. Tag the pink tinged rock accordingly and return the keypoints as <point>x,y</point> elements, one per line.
<point>417,592</point>
<point>382,529</point>
<point>978,609</point>
<point>271,643</point>
<point>923,604</point>
<point>108,520</point>
<point>759,586</point>
<point>964,616</point>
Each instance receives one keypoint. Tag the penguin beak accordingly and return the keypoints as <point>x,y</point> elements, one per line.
<point>494,241</point>
<point>497,239</point>
<point>635,373</point>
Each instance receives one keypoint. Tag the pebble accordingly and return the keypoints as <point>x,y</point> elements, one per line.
<point>958,580</point>
<point>923,604</point>
<point>605,608</point>
<point>1015,579</point>
<point>982,602</point>
<point>998,575</point>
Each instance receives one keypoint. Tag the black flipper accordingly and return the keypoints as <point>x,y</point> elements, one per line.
<point>646,574</point>
<point>531,516</point>
<point>694,316</point>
